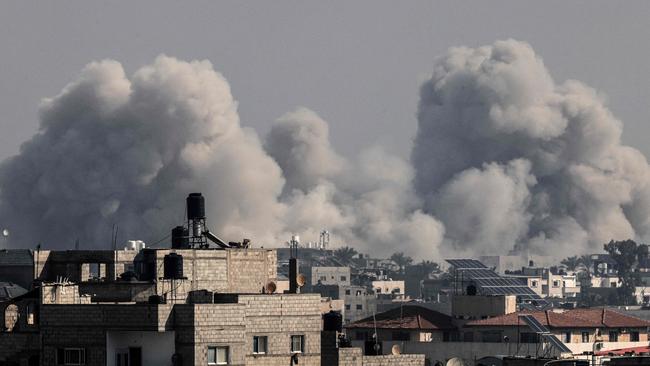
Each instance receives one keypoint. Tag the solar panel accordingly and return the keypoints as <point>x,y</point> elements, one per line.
<point>489,282</point>
<point>466,263</point>
<point>550,338</point>
<point>534,324</point>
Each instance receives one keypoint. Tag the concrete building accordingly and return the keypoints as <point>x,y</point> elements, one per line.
<point>406,323</point>
<point>330,276</point>
<point>127,307</point>
<point>578,329</point>
<point>359,303</point>
<point>389,287</point>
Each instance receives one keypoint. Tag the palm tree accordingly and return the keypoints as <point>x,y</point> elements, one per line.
<point>401,260</point>
<point>571,262</point>
<point>345,254</point>
<point>586,261</point>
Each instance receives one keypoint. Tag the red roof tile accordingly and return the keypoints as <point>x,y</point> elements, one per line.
<point>577,318</point>
<point>407,317</point>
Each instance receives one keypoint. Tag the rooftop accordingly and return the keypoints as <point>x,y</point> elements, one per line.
<point>576,318</point>
<point>407,317</point>
<point>10,290</point>
<point>16,257</point>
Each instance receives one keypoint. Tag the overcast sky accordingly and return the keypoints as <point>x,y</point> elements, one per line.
<point>358,64</point>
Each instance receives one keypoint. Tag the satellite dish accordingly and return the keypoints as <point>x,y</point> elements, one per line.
<point>396,350</point>
<point>5,232</point>
<point>455,361</point>
<point>271,287</point>
<point>301,280</point>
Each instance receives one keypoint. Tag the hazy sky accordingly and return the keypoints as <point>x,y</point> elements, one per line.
<point>358,64</point>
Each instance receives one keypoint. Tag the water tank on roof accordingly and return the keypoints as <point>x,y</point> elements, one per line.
<point>333,322</point>
<point>180,238</point>
<point>195,206</point>
<point>173,264</point>
<point>471,290</point>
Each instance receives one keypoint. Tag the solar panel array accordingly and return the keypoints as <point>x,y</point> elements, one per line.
<point>550,338</point>
<point>491,283</point>
<point>534,324</point>
<point>466,263</point>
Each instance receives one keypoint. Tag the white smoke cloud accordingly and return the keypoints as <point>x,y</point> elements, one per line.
<point>504,160</point>
<point>485,111</point>
<point>126,151</point>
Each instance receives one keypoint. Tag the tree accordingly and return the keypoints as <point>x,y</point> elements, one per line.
<point>345,254</point>
<point>627,254</point>
<point>571,263</point>
<point>586,261</point>
<point>401,260</point>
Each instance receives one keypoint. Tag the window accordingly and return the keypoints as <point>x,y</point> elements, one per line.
<point>359,307</point>
<point>218,355</point>
<point>378,290</point>
<point>491,336</point>
<point>344,278</point>
<point>259,344</point>
<point>556,283</point>
<point>528,338</point>
<point>358,293</point>
<point>122,357</point>
<point>323,278</point>
<point>297,344</point>
<point>71,356</point>
<point>613,336</point>
<point>533,284</point>
<point>468,337</point>
<point>347,292</point>
<point>396,290</point>
<point>567,337</point>
<point>585,337</point>
<point>94,271</point>
<point>401,336</point>
<point>613,284</point>
<point>347,306</point>
<point>634,336</point>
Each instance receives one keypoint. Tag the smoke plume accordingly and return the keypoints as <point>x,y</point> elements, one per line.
<point>508,159</point>
<point>504,160</point>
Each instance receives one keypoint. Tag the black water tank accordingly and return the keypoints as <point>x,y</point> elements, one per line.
<point>333,322</point>
<point>195,206</point>
<point>173,264</point>
<point>180,238</point>
<point>471,290</point>
<point>156,299</point>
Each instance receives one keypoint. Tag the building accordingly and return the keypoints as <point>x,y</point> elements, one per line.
<point>389,287</point>
<point>578,329</point>
<point>406,323</point>
<point>330,276</point>
<point>359,303</point>
<point>17,266</point>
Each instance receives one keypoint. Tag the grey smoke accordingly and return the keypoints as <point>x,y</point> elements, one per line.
<point>505,160</point>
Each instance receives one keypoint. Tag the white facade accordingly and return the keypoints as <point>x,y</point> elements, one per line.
<point>330,276</point>
<point>389,287</point>
<point>156,348</point>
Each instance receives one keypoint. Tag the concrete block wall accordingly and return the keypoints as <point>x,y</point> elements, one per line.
<point>350,356</point>
<point>353,356</point>
<point>74,264</point>
<point>278,317</point>
<point>12,344</point>
<point>230,270</point>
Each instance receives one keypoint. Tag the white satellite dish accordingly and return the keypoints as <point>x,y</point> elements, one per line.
<point>5,232</point>
<point>455,361</point>
<point>396,350</point>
